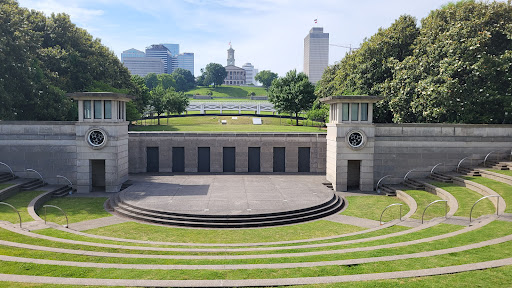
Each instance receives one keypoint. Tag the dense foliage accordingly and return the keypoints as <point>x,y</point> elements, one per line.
<point>456,67</point>
<point>42,58</point>
<point>266,77</point>
<point>184,80</point>
<point>215,74</point>
<point>292,93</point>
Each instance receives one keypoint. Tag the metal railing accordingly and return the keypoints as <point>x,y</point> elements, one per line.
<point>60,176</point>
<point>52,206</point>
<point>460,162</point>
<point>445,208</point>
<point>395,204</point>
<point>33,170</point>
<point>485,197</point>
<point>433,168</point>
<point>407,174</point>
<point>2,163</point>
<point>378,183</point>
<point>13,208</point>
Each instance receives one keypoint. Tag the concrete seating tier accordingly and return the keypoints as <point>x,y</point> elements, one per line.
<point>334,205</point>
<point>498,165</point>
<point>33,184</point>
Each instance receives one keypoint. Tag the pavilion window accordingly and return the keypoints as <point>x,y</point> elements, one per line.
<point>97,109</point>
<point>87,109</point>
<point>354,111</point>
<point>364,111</point>
<point>345,112</point>
<point>108,109</point>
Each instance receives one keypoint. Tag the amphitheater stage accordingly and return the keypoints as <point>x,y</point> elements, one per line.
<point>226,201</point>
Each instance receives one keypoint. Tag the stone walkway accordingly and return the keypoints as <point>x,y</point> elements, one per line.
<point>97,223</point>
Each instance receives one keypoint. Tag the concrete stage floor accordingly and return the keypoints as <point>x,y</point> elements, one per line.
<point>226,194</point>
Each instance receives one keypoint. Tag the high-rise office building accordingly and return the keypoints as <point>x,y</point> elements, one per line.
<point>144,65</point>
<point>160,51</point>
<point>250,73</point>
<point>173,48</point>
<point>186,61</point>
<point>316,53</point>
<point>132,53</point>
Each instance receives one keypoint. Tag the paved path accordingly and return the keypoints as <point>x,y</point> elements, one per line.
<point>355,221</point>
<point>97,223</point>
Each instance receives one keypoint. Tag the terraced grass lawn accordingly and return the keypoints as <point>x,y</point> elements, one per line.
<point>424,198</point>
<point>466,198</point>
<point>3,186</point>
<point>501,188</point>
<point>77,208</point>
<point>315,229</point>
<point>229,91</point>
<point>371,207</point>
<point>65,235</point>
<point>492,252</point>
<point>494,277</point>
<point>209,123</point>
<point>20,201</point>
<point>504,172</point>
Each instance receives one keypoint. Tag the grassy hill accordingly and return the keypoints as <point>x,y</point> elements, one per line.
<point>229,91</point>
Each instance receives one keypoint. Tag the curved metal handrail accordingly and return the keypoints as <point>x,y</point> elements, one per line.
<point>405,177</point>
<point>53,206</point>
<point>2,163</point>
<point>486,156</point>
<point>387,209</point>
<point>60,176</point>
<point>32,170</point>
<point>446,208</point>
<point>378,182</point>
<point>7,204</point>
<point>460,162</point>
<point>485,197</point>
<point>432,171</point>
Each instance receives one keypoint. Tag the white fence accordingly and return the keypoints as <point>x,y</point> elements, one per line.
<point>231,106</point>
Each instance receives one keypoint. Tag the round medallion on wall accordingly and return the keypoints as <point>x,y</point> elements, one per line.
<point>96,137</point>
<point>356,139</point>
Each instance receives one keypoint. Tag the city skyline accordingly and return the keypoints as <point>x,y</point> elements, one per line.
<point>268,33</point>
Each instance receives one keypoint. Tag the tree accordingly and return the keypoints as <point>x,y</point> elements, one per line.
<point>184,80</point>
<point>151,80</point>
<point>132,113</point>
<point>166,81</point>
<point>214,74</point>
<point>177,102</point>
<point>266,77</point>
<point>158,99</point>
<point>140,92</point>
<point>319,112</point>
<point>292,93</point>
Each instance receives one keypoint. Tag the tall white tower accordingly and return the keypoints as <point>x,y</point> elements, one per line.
<point>231,56</point>
<point>316,53</point>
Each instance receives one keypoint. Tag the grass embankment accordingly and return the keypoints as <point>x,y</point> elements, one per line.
<point>214,124</point>
<point>20,201</point>
<point>371,207</point>
<point>424,198</point>
<point>3,186</point>
<point>77,208</point>
<point>466,198</point>
<point>501,188</point>
<point>146,232</point>
<point>492,252</point>
<point>229,91</point>
<point>504,172</point>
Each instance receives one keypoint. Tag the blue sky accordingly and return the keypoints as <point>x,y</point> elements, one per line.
<point>267,33</point>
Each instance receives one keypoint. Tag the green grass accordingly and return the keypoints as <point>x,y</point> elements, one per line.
<point>501,188</point>
<point>213,124</point>
<point>493,277</point>
<point>3,186</point>
<point>504,172</point>
<point>229,91</point>
<point>424,198</point>
<point>466,198</point>
<point>371,207</point>
<point>133,230</point>
<point>77,208</point>
<point>492,252</point>
<point>20,201</point>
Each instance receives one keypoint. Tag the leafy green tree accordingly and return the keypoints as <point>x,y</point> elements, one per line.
<point>200,80</point>
<point>266,77</point>
<point>140,92</point>
<point>176,102</point>
<point>292,93</point>
<point>214,74</point>
<point>132,113</point>
<point>166,81</point>
<point>184,80</point>
<point>151,81</point>
<point>158,99</point>
<point>319,112</point>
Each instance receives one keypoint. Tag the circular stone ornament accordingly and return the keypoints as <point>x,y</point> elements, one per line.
<point>356,139</point>
<point>96,137</point>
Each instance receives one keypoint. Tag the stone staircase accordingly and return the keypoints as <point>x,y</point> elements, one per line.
<point>6,176</point>
<point>498,165</point>
<point>440,177</point>
<point>63,191</point>
<point>118,206</point>
<point>411,183</point>
<point>469,172</point>
<point>33,184</point>
<point>388,190</point>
